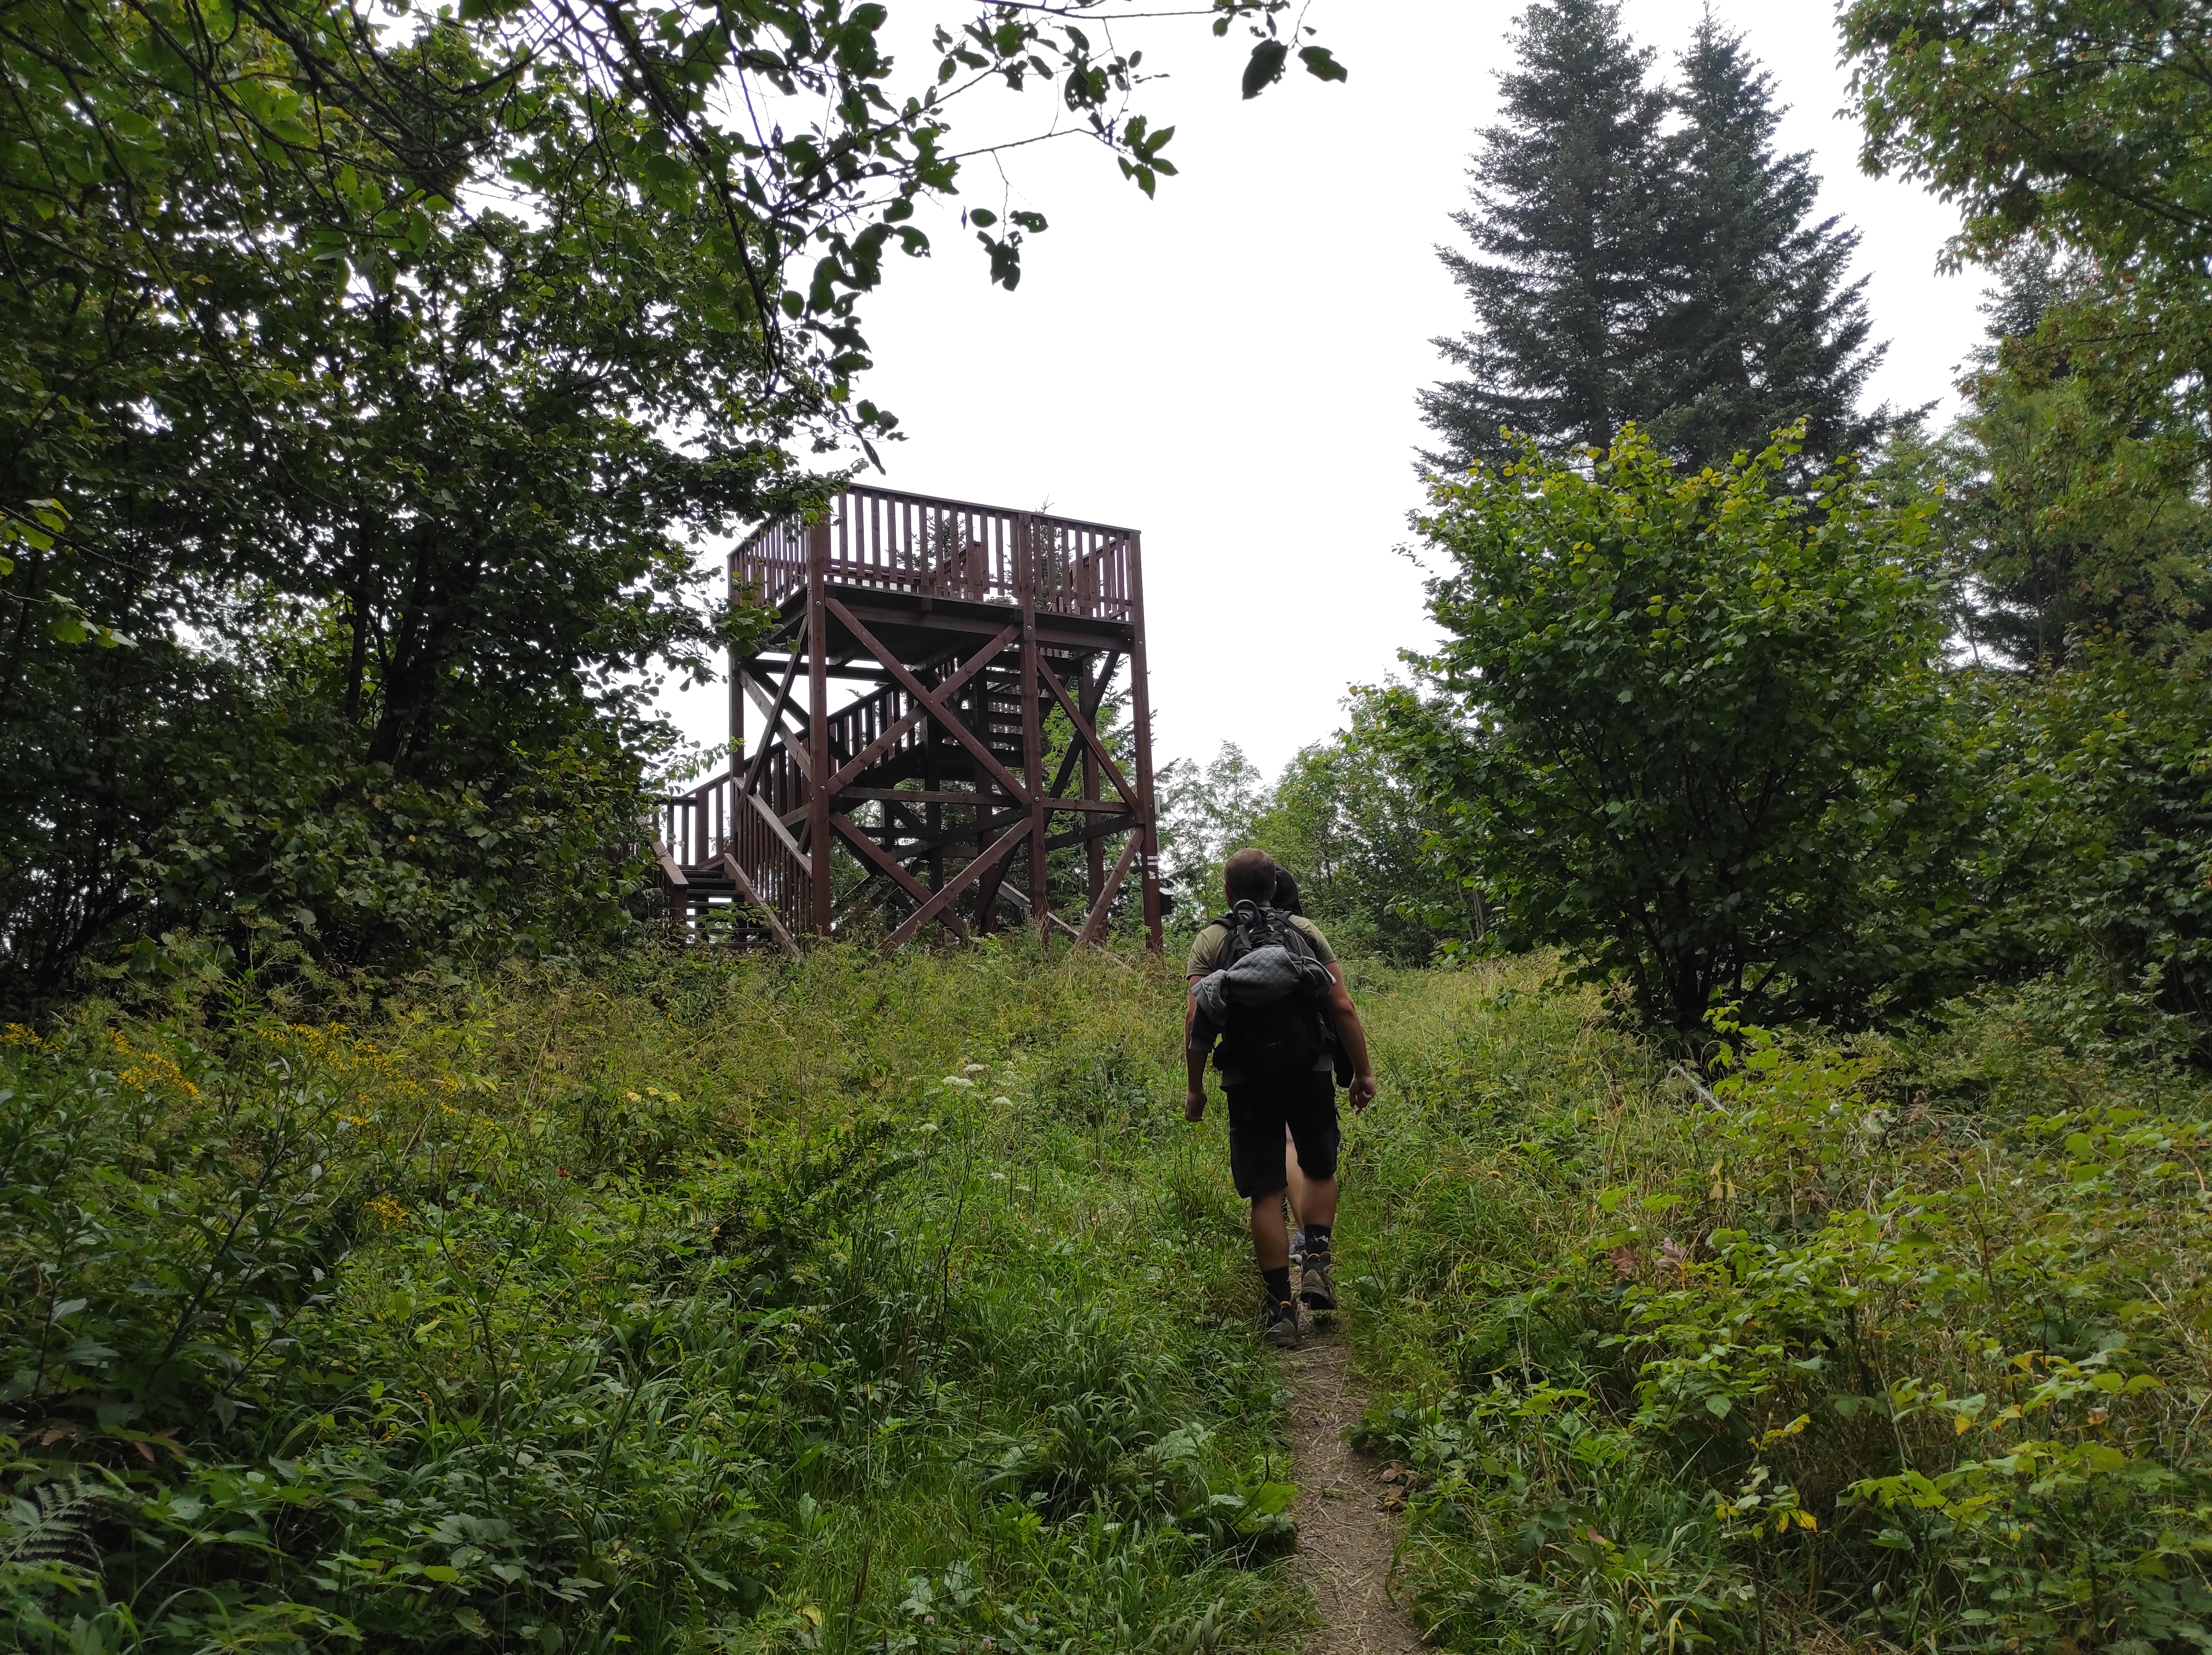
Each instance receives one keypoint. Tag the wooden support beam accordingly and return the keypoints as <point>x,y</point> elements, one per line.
<point>922,709</point>
<point>1107,636</point>
<point>1094,854</point>
<point>773,713</point>
<point>771,722</point>
<point>819,915</point>
<point>1141,722</point>
<point>1094,924</point>
<point>951,722</point>
<point>945,836</point>
<point>1025,573</point>
<point>1093,698</point>
<point>1089,736</point>
<point>1089,831</point>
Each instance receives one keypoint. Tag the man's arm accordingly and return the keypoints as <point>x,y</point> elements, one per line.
<point>1194,1062</point>
<point>1353,1033</point>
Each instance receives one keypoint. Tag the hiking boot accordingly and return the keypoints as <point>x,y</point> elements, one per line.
<point>1316,1286</point>
<point>1297,1248</point>
<point>1278,1322</point>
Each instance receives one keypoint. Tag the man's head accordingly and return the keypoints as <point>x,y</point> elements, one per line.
<point>1249,876</point>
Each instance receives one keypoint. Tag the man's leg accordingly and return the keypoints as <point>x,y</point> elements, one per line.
<point>1315,1137</point>
<point>1271,1242</point>
<point>1256,1138</point>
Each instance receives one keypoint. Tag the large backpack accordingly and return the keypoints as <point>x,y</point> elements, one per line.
<point>1286,1036</point>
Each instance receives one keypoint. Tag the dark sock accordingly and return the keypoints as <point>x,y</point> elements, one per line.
<point>1279,1284</point>
<point>1317,1238</point>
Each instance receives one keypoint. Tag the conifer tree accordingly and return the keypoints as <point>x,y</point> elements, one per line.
<point>1762,328</point>
<point>1565,245</point>
<point>1621,272</point>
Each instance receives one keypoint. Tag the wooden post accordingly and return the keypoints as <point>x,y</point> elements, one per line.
<point>817,728</point>
<point>1025,577</point>
<point>1140,715</point>
<point>737,685</point>
<point>1092,696</point>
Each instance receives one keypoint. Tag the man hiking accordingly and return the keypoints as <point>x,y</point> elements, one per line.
<point>1260,980</point>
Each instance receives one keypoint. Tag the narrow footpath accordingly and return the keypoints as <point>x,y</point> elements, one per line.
<point>1346,1537</point>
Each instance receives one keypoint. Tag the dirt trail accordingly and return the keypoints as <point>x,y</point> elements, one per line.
<point>1345,1536</point>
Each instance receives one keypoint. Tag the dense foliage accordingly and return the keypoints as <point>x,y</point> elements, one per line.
<point>367,383</point>
<point>1642,253</point>
<point>1683,724</point>
<point>743,1307</point>
<point>1896,1347</point>
<point>752,1306</point>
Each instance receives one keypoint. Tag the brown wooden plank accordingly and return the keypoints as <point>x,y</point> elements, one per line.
<point>918,795</point>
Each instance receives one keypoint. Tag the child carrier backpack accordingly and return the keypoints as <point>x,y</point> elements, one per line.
<point>1285,1035</point>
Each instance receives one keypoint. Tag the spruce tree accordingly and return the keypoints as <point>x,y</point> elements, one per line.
<point>1566,249</point>
<point>1621,272</point>
<point>1761,327</point>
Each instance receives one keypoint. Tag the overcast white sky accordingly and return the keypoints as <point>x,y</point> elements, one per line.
<point>1230,368</point>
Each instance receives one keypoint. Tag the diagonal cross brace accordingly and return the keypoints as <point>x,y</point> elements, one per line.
<point>961,733</point>
<point>1089,736</point>
<point>922,709</point>
<point>773,713</point>
<point>1067,759</point>
<point>940,904</point>
<point>854,835</point>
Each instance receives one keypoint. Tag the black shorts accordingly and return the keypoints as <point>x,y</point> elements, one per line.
<point>1258,1112</point>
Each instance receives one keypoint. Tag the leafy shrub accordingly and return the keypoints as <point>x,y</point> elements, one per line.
<point>1903,1342</point>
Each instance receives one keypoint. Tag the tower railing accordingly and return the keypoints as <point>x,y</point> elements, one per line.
<point>898,542</point>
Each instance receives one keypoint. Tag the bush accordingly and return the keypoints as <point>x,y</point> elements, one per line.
<point>1903,1343</point>
<point>1684,727</point>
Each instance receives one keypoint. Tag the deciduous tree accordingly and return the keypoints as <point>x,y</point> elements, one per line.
<point>1682,725</point>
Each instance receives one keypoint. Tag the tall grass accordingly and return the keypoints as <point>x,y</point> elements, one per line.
<point>700,1305</point>
<point>1900,1344</point>
<point>746,1305</point>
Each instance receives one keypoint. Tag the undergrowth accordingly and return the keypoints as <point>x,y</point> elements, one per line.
<point>705,1304</point>
<point>1895,1345</point>
<point>700,1306</point>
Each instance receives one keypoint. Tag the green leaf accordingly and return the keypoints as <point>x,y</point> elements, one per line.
<point>1265,66</point>
<point>1321,65</point>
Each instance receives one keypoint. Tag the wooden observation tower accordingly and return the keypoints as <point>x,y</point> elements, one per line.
<point>920,731</point>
